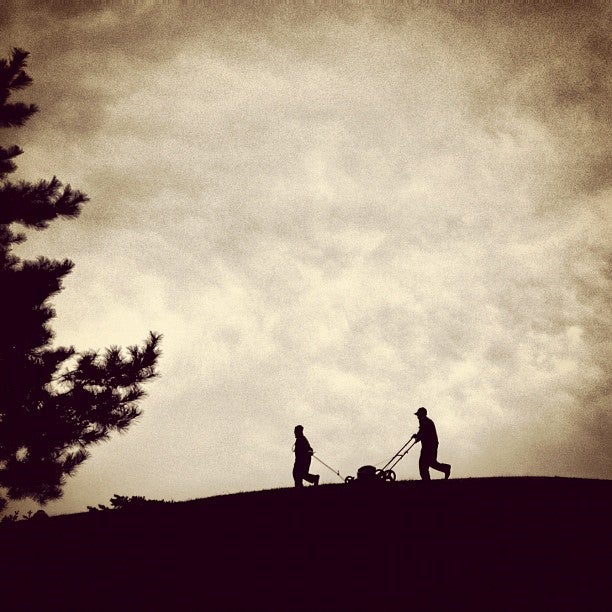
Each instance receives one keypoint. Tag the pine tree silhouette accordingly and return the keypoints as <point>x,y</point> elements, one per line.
<point>54,401</point>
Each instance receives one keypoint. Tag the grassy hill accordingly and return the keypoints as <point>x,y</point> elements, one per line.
<point>483,544</point>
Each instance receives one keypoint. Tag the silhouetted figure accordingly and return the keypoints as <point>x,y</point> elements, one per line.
<point>428,438</point>
<point>303,456</point>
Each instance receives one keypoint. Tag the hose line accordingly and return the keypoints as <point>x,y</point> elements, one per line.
<point>336,472</point>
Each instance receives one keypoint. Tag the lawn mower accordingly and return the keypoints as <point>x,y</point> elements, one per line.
<point>370,473</point>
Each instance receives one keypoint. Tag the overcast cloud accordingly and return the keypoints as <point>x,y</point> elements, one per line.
<point>334,216</point>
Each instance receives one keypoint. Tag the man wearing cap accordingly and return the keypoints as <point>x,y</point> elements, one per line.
<point>428,438</point>
<point>303,456</point>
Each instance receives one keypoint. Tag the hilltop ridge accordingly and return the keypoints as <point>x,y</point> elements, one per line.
<point>479,543</point>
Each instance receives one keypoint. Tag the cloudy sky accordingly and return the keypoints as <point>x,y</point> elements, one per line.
<point>335,213</point>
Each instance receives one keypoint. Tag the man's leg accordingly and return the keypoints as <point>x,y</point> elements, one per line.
<point>424,466</point>
<point>442,467</point>
<point>307,476</point>
<point>445,468</point>
<point>297,476</point>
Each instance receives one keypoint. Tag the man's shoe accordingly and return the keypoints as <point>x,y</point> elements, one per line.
<point>447,472</point>
<point>316,481</point>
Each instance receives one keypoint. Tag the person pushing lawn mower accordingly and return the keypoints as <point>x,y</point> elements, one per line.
<point>428,438</point>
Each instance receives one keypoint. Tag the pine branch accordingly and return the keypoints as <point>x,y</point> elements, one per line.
<point>17,61</point>
<point>12,74</point>
<point>16,114</point>
<point>8,238</point>
<point>35,204</point>
<point>73,460</point>
<point>7,165</point>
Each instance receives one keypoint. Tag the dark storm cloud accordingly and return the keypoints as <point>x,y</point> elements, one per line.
<point>554,67</point>
<point>90,49</point>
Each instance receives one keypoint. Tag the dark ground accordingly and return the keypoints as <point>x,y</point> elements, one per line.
<point>477,544</point>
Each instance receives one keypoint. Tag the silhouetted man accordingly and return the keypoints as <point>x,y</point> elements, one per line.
<point>428,438</point>
<point>303,456</point>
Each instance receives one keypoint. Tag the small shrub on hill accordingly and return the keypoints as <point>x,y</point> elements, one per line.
<point>122,502</point>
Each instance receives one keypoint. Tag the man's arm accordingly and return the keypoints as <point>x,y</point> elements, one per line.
<point>304,446</point>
